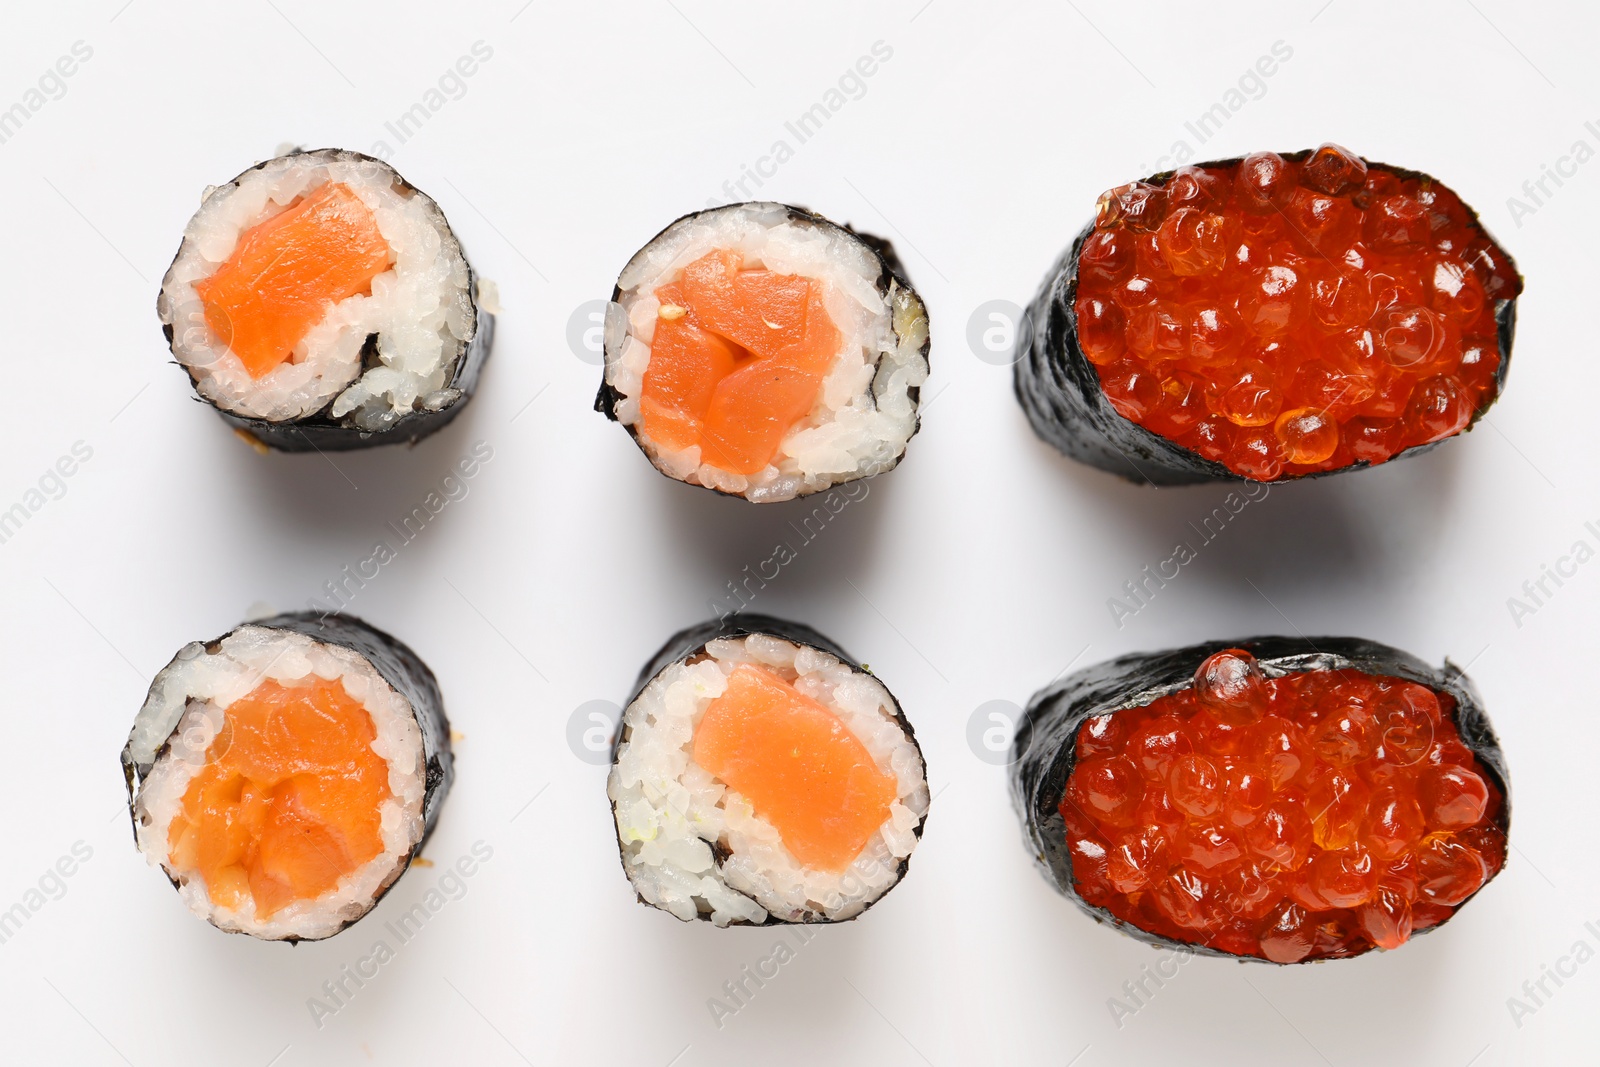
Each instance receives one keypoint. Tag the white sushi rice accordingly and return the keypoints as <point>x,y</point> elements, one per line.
<point>188,703</point>
<point>864,415</point>
<point>670,811</point>
<point>420,308</point>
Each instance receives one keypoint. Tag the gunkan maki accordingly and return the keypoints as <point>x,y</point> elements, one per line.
<point>765,352</point>
<point>1282,799</point>
<point>1268,318</point>
<point>761,776</point>
<point>320,301</point>
<point>284,774</point>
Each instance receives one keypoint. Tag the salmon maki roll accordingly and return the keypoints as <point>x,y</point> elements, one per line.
<point>765,352</point>
<point>761,776</point>
<point>284,775</point>
<point>320,301</point>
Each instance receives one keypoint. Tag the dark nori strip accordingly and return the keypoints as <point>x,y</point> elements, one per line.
<point>690,642</point>
<point>894,270</point>
<point>321,432</point>
<point>398,665</point>
<point>1059,388</point>
<point>1045,750</point>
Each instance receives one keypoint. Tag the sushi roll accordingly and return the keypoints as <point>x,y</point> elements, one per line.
<point>1279,799</point>
<point>765,352</point>
<point>284,775</point>
<point>1268,318</point>
<point>319,301</point>
<point>760,776</point>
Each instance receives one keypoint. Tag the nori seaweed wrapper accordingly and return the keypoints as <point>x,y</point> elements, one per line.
<point>690,642</point>
<point>320,432</point>
<point>1060,391</point>
<point>1045,747</point>
<point>398,665</point>
<point>893,270</point>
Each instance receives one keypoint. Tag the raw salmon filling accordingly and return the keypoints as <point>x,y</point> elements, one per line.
<point>288,271</point>
<point>738,359</point>
<point>288,802</point>
<point>800,767</point>
<point>762,779</point>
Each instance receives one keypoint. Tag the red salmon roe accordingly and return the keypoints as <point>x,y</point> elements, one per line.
<point>1312,816</point>
<point>1288,315</point>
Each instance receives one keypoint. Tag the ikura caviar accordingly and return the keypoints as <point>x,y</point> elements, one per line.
<point>1270,317</point>
<point>1317,815</point>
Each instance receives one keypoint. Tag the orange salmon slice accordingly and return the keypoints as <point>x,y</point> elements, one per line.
<point>288,801</point>
<point>758,310</point>
<point>737,359</point>
<point>799,766</point>
<point>286,271</point>
<point>686,363</point>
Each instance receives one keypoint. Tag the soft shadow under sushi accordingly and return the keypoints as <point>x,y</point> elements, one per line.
<point>1374,523</point>
<point>344,495</point>
<point>719,540</point>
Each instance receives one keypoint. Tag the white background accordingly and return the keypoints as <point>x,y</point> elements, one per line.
<point>973,573</point>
